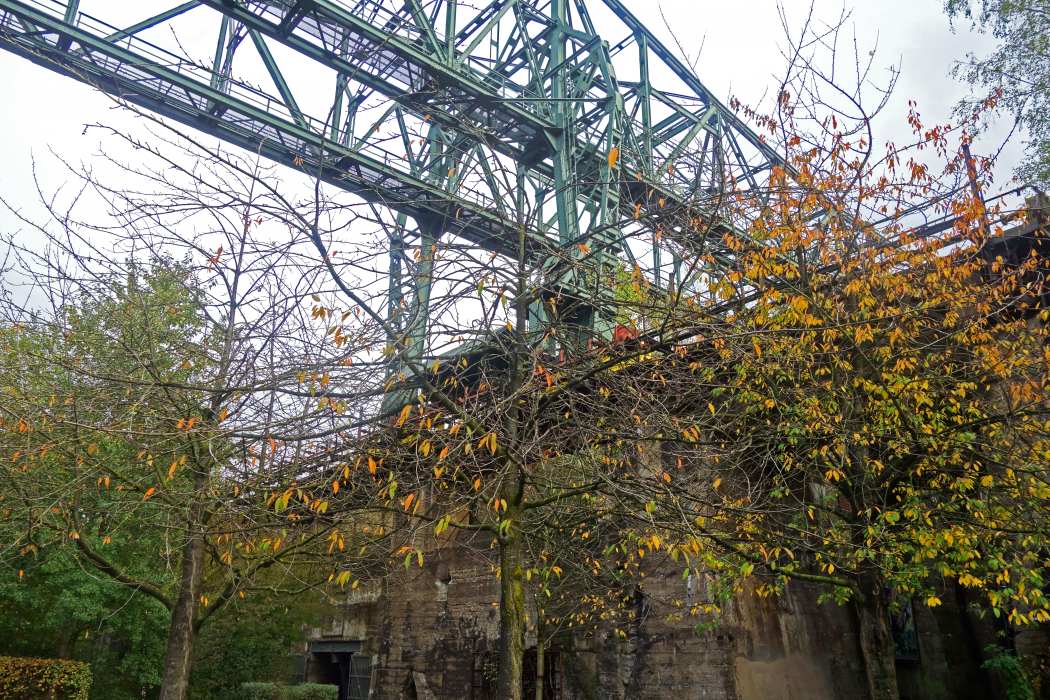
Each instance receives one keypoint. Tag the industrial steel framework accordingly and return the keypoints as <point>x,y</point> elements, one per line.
<point>422,96</point>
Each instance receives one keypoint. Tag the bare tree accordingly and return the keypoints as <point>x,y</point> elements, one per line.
<point>161,368</point>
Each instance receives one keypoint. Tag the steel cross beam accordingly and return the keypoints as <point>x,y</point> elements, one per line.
<point>526,88</point>
<point>243,115</point>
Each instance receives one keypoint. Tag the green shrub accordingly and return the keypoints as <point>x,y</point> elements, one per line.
<point>313,691</point>
<point>29,679</point>
<point>272,691</point>
<point>262,691</point>
<point>1022,683</point>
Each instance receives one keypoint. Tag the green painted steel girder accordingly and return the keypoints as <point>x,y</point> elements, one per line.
<point>421,67</point>
<point>132,77</point>
<point>522,86</point>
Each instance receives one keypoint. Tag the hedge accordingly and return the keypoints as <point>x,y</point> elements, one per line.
<point>30,679</point>
<point>260,691</point>
<point>306,691</point>
<point>313,691</point>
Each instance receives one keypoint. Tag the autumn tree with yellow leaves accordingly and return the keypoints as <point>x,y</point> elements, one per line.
<point>866,382</point>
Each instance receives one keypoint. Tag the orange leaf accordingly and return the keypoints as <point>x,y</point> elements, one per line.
<point>408,501</point>
<point>335,486</point>
<point>149,493</point>
<point>613,155</point>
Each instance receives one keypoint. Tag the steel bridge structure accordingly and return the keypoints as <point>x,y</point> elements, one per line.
<point>423,107</point>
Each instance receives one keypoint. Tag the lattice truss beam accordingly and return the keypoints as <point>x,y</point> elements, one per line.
<point>470,122</point>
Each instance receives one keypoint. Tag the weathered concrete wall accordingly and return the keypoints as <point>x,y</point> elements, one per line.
<point>426,632</point>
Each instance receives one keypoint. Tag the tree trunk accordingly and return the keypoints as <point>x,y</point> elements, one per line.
<point>540,656</point>
<point>876,639</point>
<point>182,634</point>
<point>66,642</point>
<point>511,611</point>
<point>512,587</point>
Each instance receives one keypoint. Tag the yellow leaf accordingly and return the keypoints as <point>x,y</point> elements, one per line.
<point>444,452</point>
<point>477,483</point>
<point>335,486</point>
<point>371,465</point>
<point>404,415</point>
<point>171,472</point>
<point>715,485</point>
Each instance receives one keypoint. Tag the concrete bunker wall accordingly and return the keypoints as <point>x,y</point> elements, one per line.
<point>428,632</point>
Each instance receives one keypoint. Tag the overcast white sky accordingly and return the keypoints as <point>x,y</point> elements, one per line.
<point>740,57</point>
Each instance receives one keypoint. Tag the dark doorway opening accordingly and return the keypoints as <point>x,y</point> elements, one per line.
<point>342,664</point>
